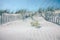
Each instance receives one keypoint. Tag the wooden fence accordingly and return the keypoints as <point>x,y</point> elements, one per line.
<point>10,17</point>
<point>54,19</point>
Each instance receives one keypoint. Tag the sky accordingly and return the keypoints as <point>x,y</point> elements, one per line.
<point>31,5</point>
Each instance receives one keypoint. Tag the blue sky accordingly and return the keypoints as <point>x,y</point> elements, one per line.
<point>32,5</point>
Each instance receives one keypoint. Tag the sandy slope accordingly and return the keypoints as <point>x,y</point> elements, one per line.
<point>22,30</point>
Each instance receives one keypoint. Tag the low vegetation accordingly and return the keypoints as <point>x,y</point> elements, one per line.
<point>48,14</point>
<point>35,24</point>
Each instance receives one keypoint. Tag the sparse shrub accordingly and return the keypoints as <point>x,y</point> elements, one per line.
<point>35,24</point>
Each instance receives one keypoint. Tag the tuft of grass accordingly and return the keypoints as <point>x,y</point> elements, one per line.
<point>35,24</point>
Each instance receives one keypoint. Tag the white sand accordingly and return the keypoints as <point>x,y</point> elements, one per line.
<point>22,30</point>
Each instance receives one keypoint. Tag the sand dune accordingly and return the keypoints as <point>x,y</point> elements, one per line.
<point>22,30</point>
